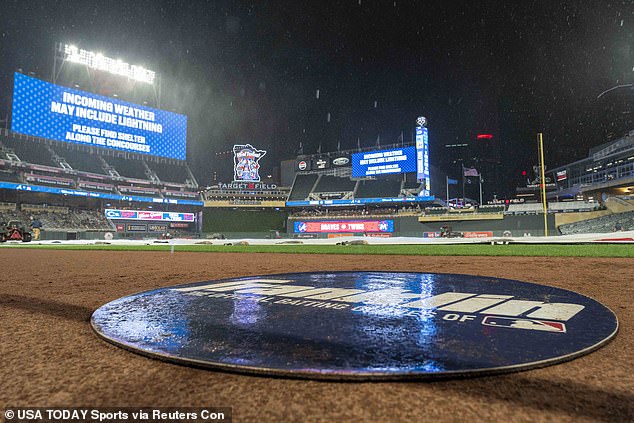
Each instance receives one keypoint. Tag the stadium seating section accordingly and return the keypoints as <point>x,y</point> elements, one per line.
<point>328,183</point>
<point>30,152</point>
<point>8,176</point>
<point>170,173</point>
<point>601,224</point>
<point>379,188</point>
<point>411,182</point>
<point>7,207</point>
<point>82,161</point>
<point>302,186</point>
<point>38,162</point>
<point>128,168</point>
<point>56,218</point>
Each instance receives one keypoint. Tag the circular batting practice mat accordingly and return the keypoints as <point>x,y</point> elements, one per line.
<point>359,325</point>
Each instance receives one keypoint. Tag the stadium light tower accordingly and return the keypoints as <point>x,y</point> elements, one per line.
<point>100,62</point>
<point>96,62</point>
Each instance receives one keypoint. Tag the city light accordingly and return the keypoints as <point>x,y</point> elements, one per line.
<point>100,62</point>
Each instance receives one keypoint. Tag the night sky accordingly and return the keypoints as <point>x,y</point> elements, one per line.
<point>328,73</point>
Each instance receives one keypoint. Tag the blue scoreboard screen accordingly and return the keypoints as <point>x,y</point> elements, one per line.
<point>46,110</point>
<point>382,162</point>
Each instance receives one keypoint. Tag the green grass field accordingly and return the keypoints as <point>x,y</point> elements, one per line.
<point>542,250</point>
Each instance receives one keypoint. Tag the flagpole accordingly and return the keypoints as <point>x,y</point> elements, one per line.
<point>463,201</point>
<point>480,178</point>
<point>447,179</point>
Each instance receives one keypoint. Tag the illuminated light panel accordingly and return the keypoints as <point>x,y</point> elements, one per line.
<point>382,162</point>
<point>100,62</point>
<point>246,166</point>
<point>422,159</point>
<point>484,136</point>
<point>50,111</point>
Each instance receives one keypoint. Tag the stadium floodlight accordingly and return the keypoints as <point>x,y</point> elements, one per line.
<point>100,62</point>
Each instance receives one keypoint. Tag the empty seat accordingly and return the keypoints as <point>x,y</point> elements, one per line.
<point>170,172</point>
<point>80,160</point>
<point>30,151</point>
<point>127,167</point>
<point>379,188</point>
<point>411,181</point>
<point>302,186</point>
<point>329,183</point>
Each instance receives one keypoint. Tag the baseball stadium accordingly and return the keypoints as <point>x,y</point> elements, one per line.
<point>384,281</point>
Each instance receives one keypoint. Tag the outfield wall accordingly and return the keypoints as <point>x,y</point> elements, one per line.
<point>254,223</point>
<point>238,221</point>
<point>48,235</point>
<point>409,226</point>
<point>517,225</point>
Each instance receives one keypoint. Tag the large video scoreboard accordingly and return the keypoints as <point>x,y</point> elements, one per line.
<point>59,113</point>
<point>384,162</point>
<point>414,159</point>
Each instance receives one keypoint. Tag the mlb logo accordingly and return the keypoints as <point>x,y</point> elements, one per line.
<point>529,324</point>
<point>302,227</point>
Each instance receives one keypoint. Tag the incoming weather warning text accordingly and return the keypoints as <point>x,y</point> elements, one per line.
<point>51,111</point>
<point>383,162</point>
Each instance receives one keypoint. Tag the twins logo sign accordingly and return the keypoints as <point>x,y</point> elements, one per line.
<point>246,163</point>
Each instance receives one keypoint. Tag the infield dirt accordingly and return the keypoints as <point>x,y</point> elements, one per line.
<point>51,357</point>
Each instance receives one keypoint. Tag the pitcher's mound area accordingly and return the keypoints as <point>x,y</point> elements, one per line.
<point>359,325</point>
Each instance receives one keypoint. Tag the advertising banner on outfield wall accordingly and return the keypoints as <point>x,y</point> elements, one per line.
<point>330,236</point>
<point>156,228</point>
<point>177,225</point>
<point>355,226</point>
<point>478,234</point>
<point>148,215</point>
<point>378,235</point>
<point>136,227</point>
